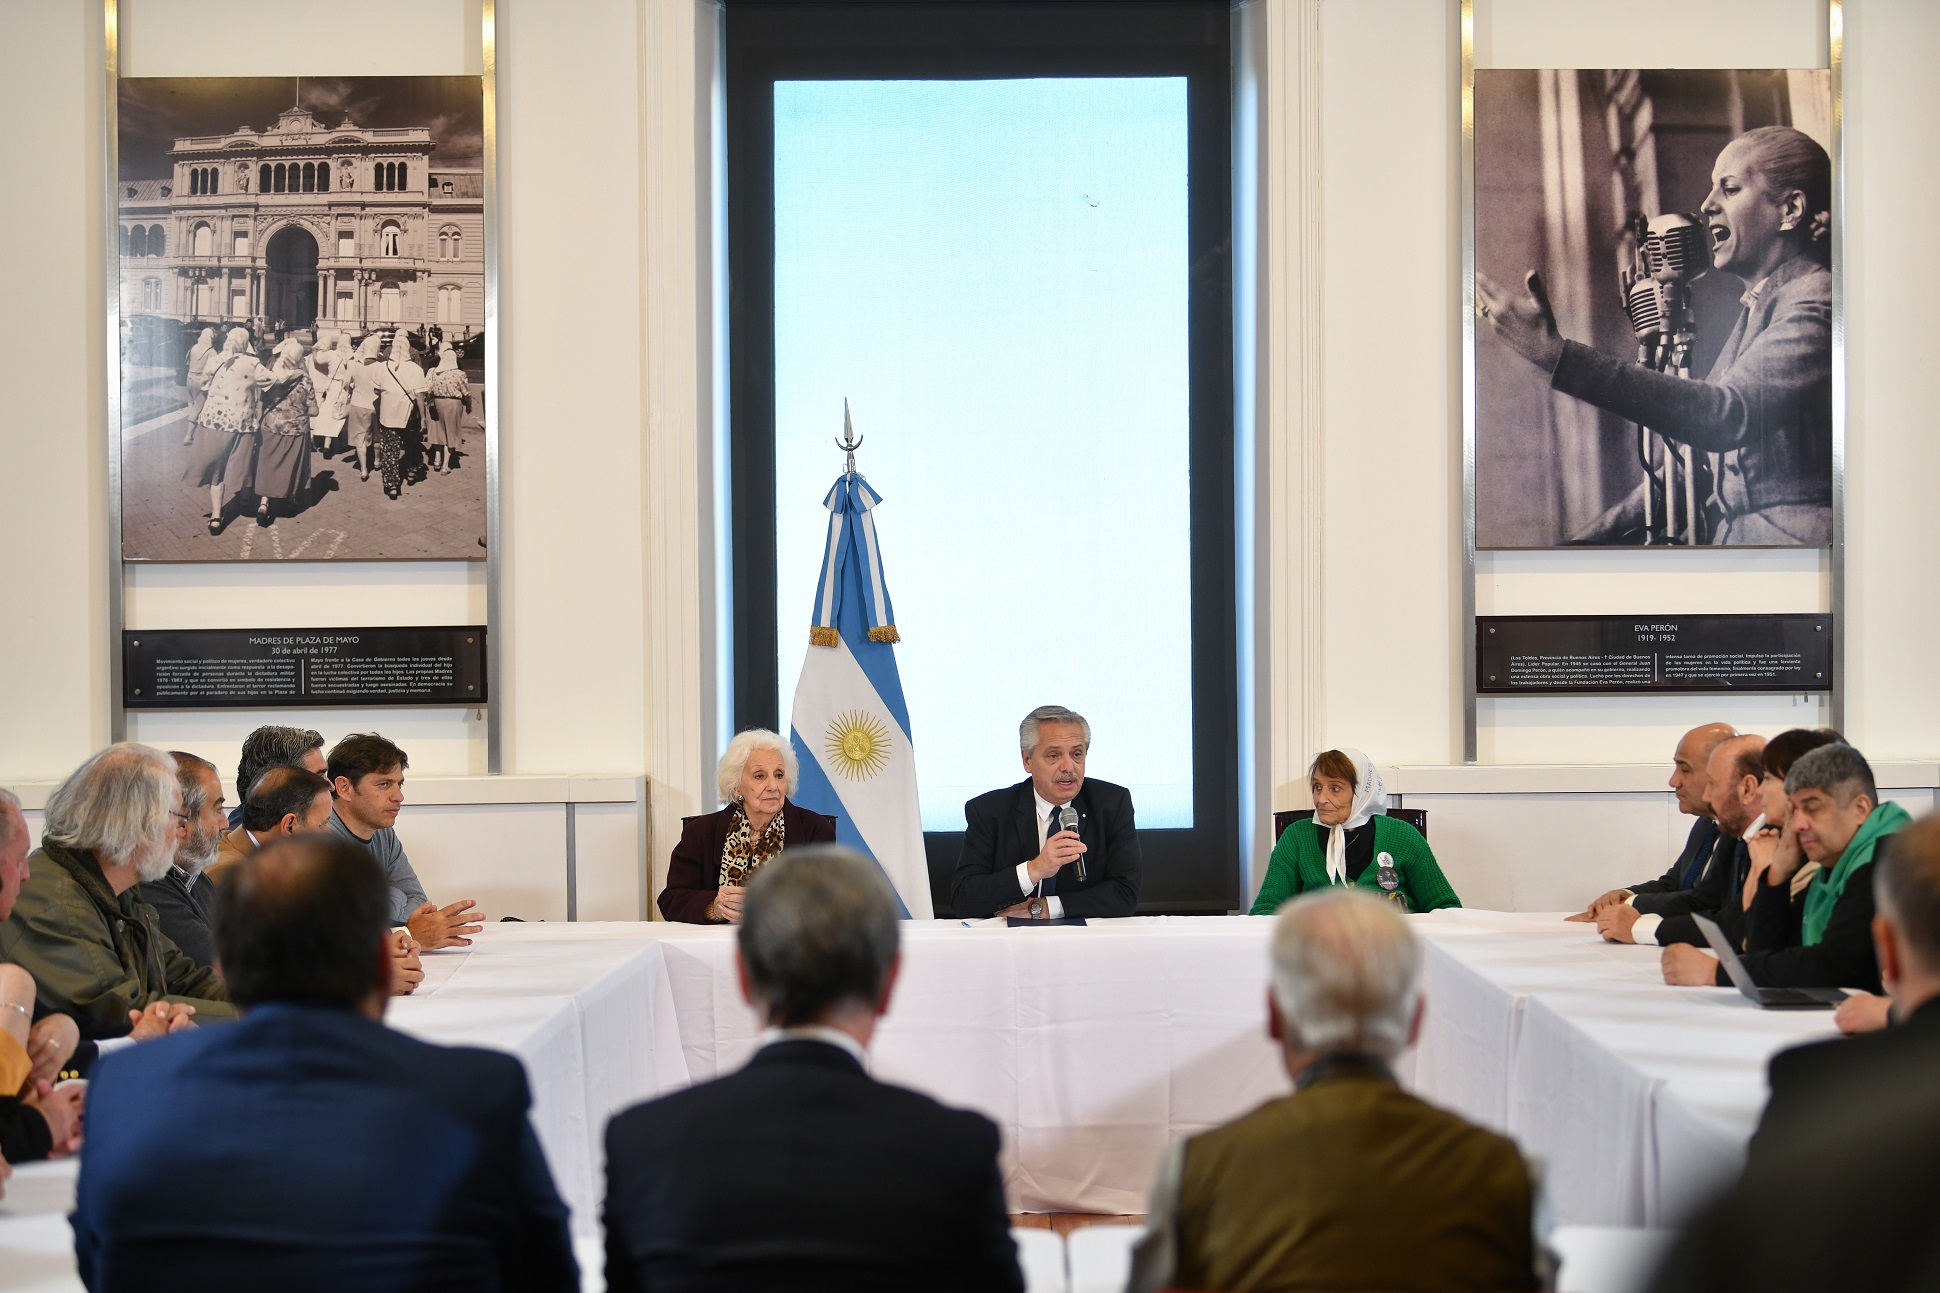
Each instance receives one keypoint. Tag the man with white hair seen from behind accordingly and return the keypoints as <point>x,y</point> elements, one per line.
<point>94,947</point>
<point>1350,1182</point>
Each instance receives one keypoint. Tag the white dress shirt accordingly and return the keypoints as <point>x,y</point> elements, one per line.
<point>1054,905</point>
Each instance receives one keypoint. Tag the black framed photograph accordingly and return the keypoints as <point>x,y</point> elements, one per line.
<point>1654,308</point>
<point>303,318</point>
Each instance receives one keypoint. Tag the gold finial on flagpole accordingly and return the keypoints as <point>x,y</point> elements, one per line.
<point>849,441</point>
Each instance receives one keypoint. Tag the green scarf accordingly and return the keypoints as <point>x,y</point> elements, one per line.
<point>1823,894</point>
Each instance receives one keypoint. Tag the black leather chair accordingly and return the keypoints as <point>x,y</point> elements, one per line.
<point>1415,817</point>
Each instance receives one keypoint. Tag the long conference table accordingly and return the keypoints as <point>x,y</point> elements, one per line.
<point>1095,1048</point>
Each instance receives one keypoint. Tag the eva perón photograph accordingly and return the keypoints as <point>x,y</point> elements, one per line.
<point>1653,308</point>
<point>302,323</point>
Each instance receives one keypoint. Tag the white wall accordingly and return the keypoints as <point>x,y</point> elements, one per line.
<point>608,403</point>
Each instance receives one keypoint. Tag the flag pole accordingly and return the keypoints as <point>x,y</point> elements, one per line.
<point>848,442</point>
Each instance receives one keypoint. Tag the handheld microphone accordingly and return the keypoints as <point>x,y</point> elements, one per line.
<point>1068,819</point>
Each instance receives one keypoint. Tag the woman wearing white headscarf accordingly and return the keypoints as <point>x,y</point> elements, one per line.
<point>225,457</point>
<point>328,368</point>
<point>283,437</point>
<point>361,410</point>
<point>451,394</point>
<point>201,355</point>
<point>1350,840</point>
<point>399,383</point>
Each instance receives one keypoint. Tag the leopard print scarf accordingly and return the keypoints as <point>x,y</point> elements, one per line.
<point>743,854</point>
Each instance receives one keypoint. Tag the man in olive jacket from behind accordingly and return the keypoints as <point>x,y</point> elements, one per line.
<point>1350,1182</point>
<point>95,949</point>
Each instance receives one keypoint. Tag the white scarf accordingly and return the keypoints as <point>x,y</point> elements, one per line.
<point>1369,790</point>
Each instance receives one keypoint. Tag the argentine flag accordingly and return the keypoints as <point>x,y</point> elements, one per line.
<point>850,727</point>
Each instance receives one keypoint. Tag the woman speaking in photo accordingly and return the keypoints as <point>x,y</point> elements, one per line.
<point>1350,840</point>
<point>1766,407</point>
<point>719,852</point>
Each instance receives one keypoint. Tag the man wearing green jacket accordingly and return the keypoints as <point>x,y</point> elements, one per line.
<point>96,951</point>
<point>1823,938</point>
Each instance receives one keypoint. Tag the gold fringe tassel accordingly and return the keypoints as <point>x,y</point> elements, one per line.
<point>887,633</point>
<point>823,635</point>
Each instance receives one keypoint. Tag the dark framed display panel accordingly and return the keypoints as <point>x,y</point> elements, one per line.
<point>304,668</point>
<point>1561,655</point>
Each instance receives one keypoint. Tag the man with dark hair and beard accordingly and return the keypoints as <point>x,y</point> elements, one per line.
<point>183,899</point>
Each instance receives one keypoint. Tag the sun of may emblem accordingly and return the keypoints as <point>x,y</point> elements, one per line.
<point>857,744</point>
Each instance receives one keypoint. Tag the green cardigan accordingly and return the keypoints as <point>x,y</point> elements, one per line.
<point>1300,863</point>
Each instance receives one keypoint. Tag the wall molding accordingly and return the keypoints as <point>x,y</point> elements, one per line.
<point>1291,379</point>
<point>677,54</point>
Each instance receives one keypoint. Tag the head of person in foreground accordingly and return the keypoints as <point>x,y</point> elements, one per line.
<point>818,940</point>
<point>1346,979</point>
<point>305,920</point>
<point>1906,925</point>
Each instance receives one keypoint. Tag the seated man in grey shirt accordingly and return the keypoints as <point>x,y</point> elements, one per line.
<point>367,774</point>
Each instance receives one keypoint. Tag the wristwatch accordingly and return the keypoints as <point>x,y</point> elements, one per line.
<point>1038,909</point>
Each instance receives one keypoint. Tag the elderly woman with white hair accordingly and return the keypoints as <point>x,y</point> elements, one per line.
<point>79,926</point>
<point>718,852</point>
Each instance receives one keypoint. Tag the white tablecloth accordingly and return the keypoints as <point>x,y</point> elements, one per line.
<point>1092,1048</point>
<point>1638,1097</point>
<point>1095,1048</point>
<point>589,1014</point>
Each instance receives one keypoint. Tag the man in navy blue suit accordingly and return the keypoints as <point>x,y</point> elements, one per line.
<point>802,1172</point>
<point>309,1146</point>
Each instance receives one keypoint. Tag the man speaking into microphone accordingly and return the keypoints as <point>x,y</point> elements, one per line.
<point>1053,845</point>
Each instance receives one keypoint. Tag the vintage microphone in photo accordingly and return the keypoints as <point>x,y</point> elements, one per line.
<point>1672,251</point>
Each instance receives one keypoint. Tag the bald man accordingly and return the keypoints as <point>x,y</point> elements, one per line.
<point>1735,779</point>
<point>1667,895</point>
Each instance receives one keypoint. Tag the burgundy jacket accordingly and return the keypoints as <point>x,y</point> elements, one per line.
<point>694,870</point>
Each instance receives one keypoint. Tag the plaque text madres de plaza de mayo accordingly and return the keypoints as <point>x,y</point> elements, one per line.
<point>1561,654</point>
<point>230,668</point>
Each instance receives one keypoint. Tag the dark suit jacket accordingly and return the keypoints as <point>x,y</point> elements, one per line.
<point>187,911</point>
<point>1848,1209</point>
<point>1816,1087</point>
<point>1001,832</point>
<point>1776,957</point>
<point>1668,894</point>
<point>802,1172</point>
<point>694,869</point>
<point>1719,894</point>
<point>310,1148</point>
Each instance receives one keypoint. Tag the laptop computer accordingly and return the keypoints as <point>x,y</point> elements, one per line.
<point>1769,998</point>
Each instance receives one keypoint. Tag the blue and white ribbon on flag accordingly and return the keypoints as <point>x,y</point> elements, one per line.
<point>850,726</point>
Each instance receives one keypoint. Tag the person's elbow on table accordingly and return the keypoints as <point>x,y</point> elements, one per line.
<point>1686,967</point>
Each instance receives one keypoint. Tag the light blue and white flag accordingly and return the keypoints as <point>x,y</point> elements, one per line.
<point>851,725</point>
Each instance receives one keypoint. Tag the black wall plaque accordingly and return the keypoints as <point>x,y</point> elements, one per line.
<point>301,668</point>
<point>1533,655</point>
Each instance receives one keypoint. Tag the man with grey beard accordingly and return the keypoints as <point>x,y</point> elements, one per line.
<point>95,949</point>
<point>183,900</point>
